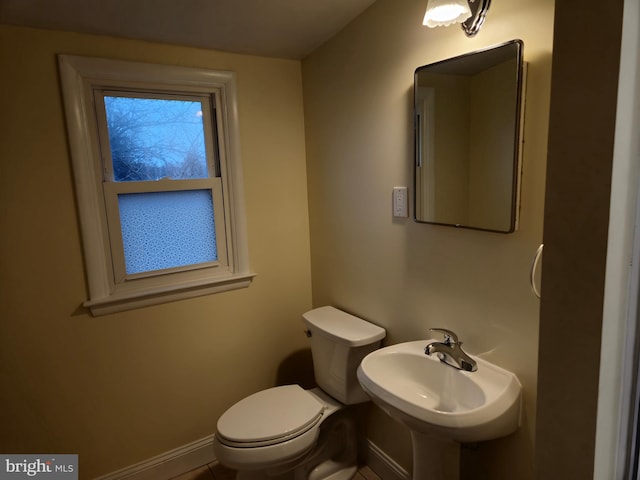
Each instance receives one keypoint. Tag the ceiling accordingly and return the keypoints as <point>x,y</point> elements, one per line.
<point>273,28</point>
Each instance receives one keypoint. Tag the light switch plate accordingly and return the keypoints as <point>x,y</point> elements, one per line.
<point>400,202</point>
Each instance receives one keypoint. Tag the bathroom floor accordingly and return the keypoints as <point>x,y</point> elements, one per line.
<point>215,471</point>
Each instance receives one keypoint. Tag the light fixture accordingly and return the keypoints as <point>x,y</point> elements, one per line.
<point>469,13</point>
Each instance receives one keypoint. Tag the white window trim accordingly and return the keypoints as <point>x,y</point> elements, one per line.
<point>79,76</point>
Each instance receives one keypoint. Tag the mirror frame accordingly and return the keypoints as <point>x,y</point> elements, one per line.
<point>518,135</point>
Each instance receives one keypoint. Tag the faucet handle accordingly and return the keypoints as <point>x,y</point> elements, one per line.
<point>450,338</point>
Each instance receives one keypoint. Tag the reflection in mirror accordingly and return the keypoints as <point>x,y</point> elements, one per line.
<point>467,127</point>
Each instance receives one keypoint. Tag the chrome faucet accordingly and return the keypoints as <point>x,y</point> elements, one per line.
<point>450,351</point>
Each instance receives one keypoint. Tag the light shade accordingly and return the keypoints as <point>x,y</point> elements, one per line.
<point>441,13</point>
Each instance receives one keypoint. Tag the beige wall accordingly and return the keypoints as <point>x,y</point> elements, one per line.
<point>576,233</point>
<point>405,276</point>
<point>122,388</point>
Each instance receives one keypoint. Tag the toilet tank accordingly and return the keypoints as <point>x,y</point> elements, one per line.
<point>339,342</point>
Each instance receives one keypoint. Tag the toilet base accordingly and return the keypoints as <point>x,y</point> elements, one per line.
<point>335,456</point>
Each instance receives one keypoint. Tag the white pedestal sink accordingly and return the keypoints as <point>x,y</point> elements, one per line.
<point>442,406</point>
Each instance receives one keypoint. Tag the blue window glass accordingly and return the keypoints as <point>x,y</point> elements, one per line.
<point>167,229</point>
<point>154,138</point>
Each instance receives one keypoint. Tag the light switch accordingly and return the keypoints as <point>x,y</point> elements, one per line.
<point>400,202</point>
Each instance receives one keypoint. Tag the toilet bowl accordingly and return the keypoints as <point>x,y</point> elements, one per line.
<point>290,433</point>
<point>289,422</point>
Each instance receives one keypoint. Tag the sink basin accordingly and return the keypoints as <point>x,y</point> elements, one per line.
<point>433,398</point>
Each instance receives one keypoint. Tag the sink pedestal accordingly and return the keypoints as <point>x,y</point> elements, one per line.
<point>434,458</point>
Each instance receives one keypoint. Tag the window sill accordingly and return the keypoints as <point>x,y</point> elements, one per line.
<point>132,300</point>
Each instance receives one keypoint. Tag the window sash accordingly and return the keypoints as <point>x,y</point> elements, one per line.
<point>210,121</point>
<point>113,189</point>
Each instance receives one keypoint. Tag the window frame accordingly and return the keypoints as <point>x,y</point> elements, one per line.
<point>84,78</point>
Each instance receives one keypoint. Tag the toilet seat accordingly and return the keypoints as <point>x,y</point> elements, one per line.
<point>269,417</point>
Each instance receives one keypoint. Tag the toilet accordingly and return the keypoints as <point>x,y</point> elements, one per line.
<point>288,433</point>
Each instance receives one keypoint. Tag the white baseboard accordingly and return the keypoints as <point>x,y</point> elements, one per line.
<point>169,464</point>
<point>199,453</point>
<point>382,464</point>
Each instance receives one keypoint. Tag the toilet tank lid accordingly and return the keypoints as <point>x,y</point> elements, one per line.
<point>343,327</point>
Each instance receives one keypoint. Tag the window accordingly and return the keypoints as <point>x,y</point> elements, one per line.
<point>157,171</point>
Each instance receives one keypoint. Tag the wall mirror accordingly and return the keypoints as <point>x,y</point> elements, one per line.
<point>467,139</point>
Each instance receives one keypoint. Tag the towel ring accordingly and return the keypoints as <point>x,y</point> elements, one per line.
<point>532,273</point>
